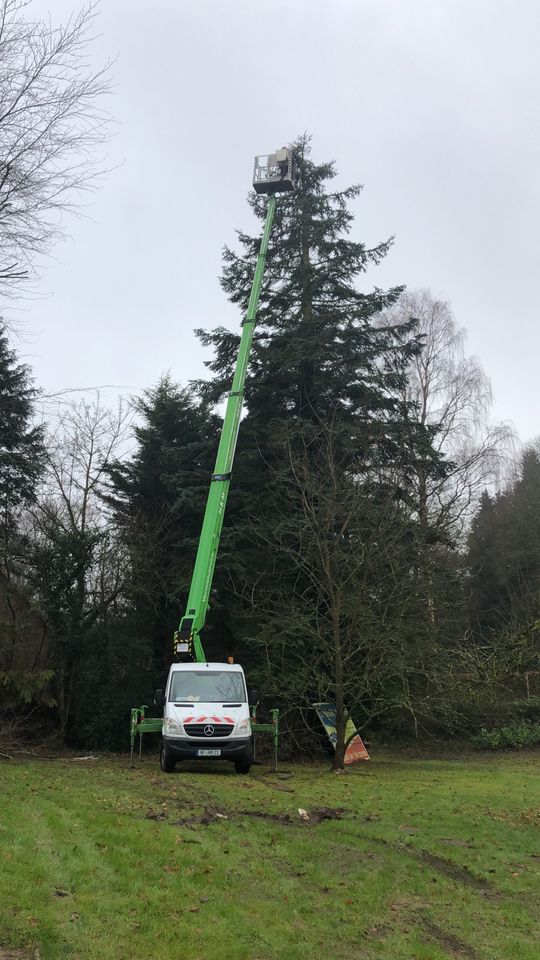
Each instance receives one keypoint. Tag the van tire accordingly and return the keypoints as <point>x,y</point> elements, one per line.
<point>166,761</point>
<point>242,765</point>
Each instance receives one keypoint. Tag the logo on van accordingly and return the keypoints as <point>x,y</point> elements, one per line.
<point>208,730</point>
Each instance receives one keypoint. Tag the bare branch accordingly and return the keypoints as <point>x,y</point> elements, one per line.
<point>52,124</point>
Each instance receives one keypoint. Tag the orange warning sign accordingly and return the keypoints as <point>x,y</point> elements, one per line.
<point>356,749</point>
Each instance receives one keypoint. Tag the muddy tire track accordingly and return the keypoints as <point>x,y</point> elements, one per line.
<point>447,868</point>
<point>451,870</point>
<point>455,947</point>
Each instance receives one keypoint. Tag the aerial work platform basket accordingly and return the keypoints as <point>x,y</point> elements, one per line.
<point>274,172</point>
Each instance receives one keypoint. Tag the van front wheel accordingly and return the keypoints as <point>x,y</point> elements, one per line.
<point>166,761</point>
<point>242,765</point>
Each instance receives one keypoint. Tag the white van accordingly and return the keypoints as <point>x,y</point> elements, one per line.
<point>205,715</point>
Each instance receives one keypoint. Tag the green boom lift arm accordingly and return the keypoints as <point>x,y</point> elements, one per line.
<point>272,174</point>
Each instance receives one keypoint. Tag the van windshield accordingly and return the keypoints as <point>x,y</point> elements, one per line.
<point>208,686</point>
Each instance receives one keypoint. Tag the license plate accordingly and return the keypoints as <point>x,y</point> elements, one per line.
<point>208,753</point>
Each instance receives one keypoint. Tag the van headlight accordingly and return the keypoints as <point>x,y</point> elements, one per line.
<point>172,726</point>
<point>244,727</point>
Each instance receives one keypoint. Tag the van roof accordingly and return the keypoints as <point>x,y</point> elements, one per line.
<point>230,667</point>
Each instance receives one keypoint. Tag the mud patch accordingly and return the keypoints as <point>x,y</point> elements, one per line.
<point>210,815</point>
<point>195,820</point>
<point>314,817</point>
<point>454,946</point>
<point>202,820</point>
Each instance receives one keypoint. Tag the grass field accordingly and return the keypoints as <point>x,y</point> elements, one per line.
<point>431,859</point>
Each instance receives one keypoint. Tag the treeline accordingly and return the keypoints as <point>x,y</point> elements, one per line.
<point>377,550</point>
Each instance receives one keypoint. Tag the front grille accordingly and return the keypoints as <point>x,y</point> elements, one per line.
<point>198,730</point>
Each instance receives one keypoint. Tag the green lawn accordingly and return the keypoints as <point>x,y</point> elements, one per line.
<point>432,859</point>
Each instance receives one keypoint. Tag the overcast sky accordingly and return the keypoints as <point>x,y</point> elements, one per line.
<point>431,104</point>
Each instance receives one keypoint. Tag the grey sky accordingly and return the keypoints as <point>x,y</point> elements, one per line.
<point>431,104</point>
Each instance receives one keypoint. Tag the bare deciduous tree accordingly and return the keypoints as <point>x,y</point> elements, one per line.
<point>82,441</point>
<point>333,603</point>
<point>453,398</point>
<point>51,122</point>
<point>78,566</point>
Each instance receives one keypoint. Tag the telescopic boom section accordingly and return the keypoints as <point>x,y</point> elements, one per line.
<point>187,641</point>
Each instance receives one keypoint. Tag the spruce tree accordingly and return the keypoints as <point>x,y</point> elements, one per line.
<point>487,564</point>
<point>158,499</point>
<point>21,441</point>
<point>319,363</point>
<point>315,351</point>
<point>21,461</point>
<point>317,356</point>
<point>504,554</point>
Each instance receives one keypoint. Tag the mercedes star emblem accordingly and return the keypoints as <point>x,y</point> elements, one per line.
<point>208,730</point>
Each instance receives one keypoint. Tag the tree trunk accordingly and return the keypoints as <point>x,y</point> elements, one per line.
<point>339,756</point>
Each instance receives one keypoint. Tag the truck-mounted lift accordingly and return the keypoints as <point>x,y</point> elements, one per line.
<point>206,711</point>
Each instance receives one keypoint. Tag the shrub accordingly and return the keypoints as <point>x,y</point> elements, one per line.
<point>509,736</point>
<point>528,709</point>
<point>24,688</point>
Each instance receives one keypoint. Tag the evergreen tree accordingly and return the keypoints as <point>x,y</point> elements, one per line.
<point>487,548</point>
<point>525,530</point>
<point>315,351</point>
<point>158,499</point>
<point>21,442</point>
<point>504,554</point>
<point>319,364</point>
<point>21,461</point>
<point>317,356</point>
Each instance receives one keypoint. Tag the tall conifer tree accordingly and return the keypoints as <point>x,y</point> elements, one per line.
<point>504,554</point>
<point>21,441</point>
<point>158,499</point>
<point>315,351</point>
<point>318,361</point>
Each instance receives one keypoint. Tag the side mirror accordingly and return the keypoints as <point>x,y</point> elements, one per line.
<point>159,698</point>
<point>253,697</point>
